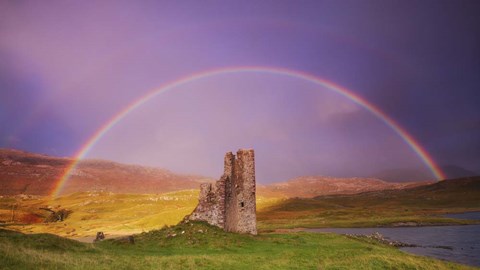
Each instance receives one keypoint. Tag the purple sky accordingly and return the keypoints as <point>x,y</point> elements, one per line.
<point>67,67</point>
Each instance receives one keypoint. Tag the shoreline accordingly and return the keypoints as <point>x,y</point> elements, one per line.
<point>406,224</point>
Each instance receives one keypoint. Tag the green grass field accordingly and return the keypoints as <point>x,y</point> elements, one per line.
<point>200,246</point>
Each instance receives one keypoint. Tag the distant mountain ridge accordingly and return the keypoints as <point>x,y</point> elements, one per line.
<point>29,173</point>
<point>454,171</point>
<point>36,174</point>
<point>311,186</point>
<point>414,174</point>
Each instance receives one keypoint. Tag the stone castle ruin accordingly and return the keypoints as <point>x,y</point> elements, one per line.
<point>230,203</point>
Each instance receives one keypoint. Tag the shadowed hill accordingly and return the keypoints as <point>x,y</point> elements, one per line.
<point>35,174</point>
<point>457,172</point>
<point>400,174</point>
<point>421,205</point>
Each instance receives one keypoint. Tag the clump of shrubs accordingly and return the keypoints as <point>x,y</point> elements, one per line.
<point>57,216</point>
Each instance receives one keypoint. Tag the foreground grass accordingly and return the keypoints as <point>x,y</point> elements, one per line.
<point>200,246</point>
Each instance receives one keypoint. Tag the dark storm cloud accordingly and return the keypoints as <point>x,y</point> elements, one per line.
<point>23,97</point>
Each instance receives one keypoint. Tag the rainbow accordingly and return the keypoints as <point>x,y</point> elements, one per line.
<point>414,145</point>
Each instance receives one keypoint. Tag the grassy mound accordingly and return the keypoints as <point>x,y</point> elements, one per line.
<point>197,245</point>
<point>40,251</point>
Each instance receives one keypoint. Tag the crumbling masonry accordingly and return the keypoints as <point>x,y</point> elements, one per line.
<point>230,203</point>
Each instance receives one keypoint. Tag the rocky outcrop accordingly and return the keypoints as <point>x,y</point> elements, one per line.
<point>56,216</point>
<point>230,202</point>
<point>100,236</point>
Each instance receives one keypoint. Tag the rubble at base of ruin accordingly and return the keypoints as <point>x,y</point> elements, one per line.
<point>230,202</point>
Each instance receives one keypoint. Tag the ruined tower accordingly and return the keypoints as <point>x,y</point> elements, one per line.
<point>230,202</point>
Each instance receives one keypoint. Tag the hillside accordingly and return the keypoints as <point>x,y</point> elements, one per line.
<point>109,212</point>
<point>35,174</point>
<point>129,213</point>
<point>422,205</point>
<point>311,186</point>
<point>98,211</point>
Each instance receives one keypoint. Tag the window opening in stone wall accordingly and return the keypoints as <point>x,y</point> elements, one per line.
<point>242,204</point>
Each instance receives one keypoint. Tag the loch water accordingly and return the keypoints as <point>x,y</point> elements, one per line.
<point>452,243</point>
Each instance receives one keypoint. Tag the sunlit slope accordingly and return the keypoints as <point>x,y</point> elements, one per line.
<point>199,246</point>
<point>119,214</point>
<point>422,205</point>
<point>108,212</point>
<point>114,214</point>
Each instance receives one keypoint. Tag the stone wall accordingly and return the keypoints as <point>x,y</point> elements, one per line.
<point>230,202</point>
<point>210,207</point>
